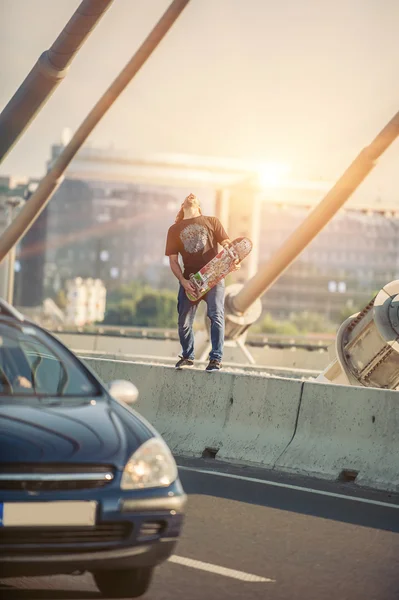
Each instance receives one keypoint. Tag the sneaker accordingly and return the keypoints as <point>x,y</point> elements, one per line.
<point>184,363</point>
<point>214,365</point>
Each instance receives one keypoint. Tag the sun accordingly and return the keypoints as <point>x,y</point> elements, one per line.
<point>272,174</point>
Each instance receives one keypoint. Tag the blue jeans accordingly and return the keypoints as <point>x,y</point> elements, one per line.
<point>187,309</point>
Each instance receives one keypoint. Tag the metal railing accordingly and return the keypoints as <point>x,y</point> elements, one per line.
<point>307,342</point>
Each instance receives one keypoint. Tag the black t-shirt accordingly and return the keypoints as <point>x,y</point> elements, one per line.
<point>196,240</point>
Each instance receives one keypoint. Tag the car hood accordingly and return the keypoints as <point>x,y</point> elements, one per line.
<point>99,431</point>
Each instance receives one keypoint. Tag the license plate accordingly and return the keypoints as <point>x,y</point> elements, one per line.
<point>47,514</point>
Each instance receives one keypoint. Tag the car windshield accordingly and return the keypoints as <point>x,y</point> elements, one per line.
<point>30,366</point>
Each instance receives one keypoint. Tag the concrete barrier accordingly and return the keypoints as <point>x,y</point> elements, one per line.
<point>236,368</point>
<point>82,342</point>
<point>260,421</point>
<point>346,429</point>
<point>245,417</point>
<point>302,427</point>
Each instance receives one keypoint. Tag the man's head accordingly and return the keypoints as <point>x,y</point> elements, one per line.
<point>190,205</point>
<point>191,201</point>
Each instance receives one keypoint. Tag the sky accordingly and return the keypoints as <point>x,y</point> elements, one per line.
<point>307,83</point>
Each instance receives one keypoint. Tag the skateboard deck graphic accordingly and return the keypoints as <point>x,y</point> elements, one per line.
<point>219,267</point>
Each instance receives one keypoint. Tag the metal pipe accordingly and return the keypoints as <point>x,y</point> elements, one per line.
<point>48,184</point>
<point>317,219</point>
<point>47,73</point>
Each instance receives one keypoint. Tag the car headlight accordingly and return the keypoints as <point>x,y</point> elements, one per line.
<point>152,465</point>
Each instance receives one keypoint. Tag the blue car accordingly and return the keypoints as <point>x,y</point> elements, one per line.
<point>86,484</point>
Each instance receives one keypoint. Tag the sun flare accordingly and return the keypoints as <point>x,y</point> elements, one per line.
<point>272,174</point>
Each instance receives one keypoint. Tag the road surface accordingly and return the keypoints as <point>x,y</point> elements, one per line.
<point>252,534</point>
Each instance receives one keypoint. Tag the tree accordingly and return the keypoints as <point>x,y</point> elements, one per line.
<point>121,314</point>
<point>308,322</point>
<point>299,323</point>
<point>156,310</point>
<point>142,306</point>
<point>270,325</point>
<point>128,292</point>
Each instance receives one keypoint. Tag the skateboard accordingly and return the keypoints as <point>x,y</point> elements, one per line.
<point>219,267</point>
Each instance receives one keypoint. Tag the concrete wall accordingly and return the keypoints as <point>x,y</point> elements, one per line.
<point>245,417</point>
<point>291,425</point>
<point>346,428</point>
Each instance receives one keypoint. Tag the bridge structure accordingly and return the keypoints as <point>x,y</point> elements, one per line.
<point>240,187</point>
<point>275,422</point>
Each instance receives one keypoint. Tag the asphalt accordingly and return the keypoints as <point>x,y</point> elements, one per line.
<point>306,539</point>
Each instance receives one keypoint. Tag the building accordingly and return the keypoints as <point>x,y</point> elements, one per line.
<point>104,222</point>
<point>107,230</point>
<point>86,299</point>
<point>352,258</point>
<point>109,218</point>
<point>12,198</point>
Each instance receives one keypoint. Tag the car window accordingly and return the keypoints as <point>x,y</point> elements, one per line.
<point>28,366</point>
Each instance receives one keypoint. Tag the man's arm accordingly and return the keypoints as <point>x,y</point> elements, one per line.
<point>173,253</point>
<point>177,272</point>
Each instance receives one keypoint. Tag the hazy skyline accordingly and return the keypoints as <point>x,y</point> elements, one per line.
<point>305,83</point>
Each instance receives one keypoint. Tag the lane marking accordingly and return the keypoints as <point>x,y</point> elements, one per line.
<point>291,487</point>
<point>210,568</point>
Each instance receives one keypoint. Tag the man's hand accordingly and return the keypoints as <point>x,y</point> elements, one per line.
<point>237,265</point>
<point>189,287</point>
<point>22,382</point>
<point>226,244</point>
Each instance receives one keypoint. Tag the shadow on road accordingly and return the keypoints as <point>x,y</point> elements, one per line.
<point>282,498</point>
<point>8,592</point>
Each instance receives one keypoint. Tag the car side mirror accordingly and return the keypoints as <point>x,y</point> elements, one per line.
<point>123,391</point>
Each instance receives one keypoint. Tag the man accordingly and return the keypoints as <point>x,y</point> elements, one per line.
<point>196,238</point>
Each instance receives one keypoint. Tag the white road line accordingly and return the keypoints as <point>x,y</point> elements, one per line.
<point>291,487</point>
<point>203,566</point>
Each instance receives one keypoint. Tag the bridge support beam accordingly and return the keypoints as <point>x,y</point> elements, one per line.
<point>367,345</point>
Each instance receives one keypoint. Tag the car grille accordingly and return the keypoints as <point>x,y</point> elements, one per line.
<point>150,529</point>
<point>55,477</point>
<point>63,539</point>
